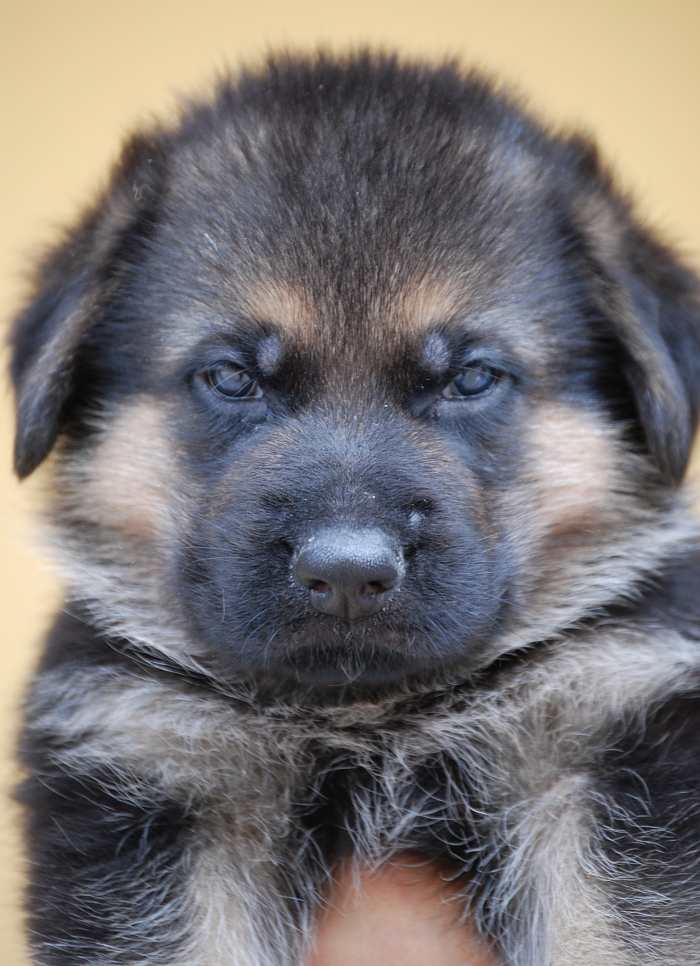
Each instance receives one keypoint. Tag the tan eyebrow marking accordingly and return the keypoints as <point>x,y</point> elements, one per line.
<point>425,303</point>
<point>284,307</point>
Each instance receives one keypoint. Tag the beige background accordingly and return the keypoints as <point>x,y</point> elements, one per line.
<point>78,73</point>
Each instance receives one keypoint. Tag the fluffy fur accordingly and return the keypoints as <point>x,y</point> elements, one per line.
<point>203,747</point>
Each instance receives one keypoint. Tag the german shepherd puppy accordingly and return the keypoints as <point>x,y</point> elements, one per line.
<point>367,402</point>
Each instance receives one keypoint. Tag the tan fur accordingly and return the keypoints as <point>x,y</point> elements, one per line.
<point>576,533</point>
<point>226,903</point>
<point>553,833</point>
<point>570,468</point>
<point>132,480</point>
<point>285,308</point>
<point>423,305</point>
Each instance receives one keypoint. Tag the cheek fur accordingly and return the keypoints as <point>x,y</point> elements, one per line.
<point>570,470</point>
<point>582,518</point>
<point>132,482</point>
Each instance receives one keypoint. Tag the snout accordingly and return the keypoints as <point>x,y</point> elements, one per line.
<point>348,573</point>
<point>338,552</point>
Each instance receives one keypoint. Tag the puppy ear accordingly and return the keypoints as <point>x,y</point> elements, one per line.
<point>71,287</point>
<point>652,303</point>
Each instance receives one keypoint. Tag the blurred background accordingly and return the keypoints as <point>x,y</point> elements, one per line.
<point>78,74</point>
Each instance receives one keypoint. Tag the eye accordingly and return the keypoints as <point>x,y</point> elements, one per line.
<point>233,382</point>
<point>471,381</point>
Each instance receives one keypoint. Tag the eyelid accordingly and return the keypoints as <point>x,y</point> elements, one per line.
<point>477,365</point>
<point>227,360</point>
<point>228,363</point>
<point>476,362</point>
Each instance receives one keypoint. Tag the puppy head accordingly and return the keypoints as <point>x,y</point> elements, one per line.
<point>358,375</point>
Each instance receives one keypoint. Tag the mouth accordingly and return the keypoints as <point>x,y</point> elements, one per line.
<point>366,654</point>
<point>292,646</point>
<point>328,665</point>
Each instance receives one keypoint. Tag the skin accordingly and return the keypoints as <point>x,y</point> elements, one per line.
<point>398,916</point>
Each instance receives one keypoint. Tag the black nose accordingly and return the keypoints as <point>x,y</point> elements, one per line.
<point>349,573</point>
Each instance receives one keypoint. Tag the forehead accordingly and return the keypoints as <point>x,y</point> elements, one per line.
<point>521,322</point>
<point>367,241</point>
<point>428,319</point>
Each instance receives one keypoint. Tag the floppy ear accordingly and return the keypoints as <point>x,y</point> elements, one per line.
<point>653,305</point>
<point>72,286</point>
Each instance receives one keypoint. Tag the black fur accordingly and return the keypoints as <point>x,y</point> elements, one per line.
<point>204,745</point>
<point>651,775</point>
<point>111,869</point>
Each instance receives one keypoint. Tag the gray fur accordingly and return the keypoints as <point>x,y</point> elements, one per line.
<point>192,791</point>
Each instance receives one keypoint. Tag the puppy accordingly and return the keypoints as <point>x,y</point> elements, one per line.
<point>364,403</point>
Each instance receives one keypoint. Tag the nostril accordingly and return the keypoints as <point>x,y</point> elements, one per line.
<point>348,573</point>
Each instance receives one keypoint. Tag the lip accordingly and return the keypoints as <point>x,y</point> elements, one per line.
<point>333,666</point>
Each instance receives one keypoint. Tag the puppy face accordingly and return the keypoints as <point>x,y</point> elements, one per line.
<point>358,378</point>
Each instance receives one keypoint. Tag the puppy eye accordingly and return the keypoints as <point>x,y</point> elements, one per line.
<point>471,381</point>
<point>233,382</point>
